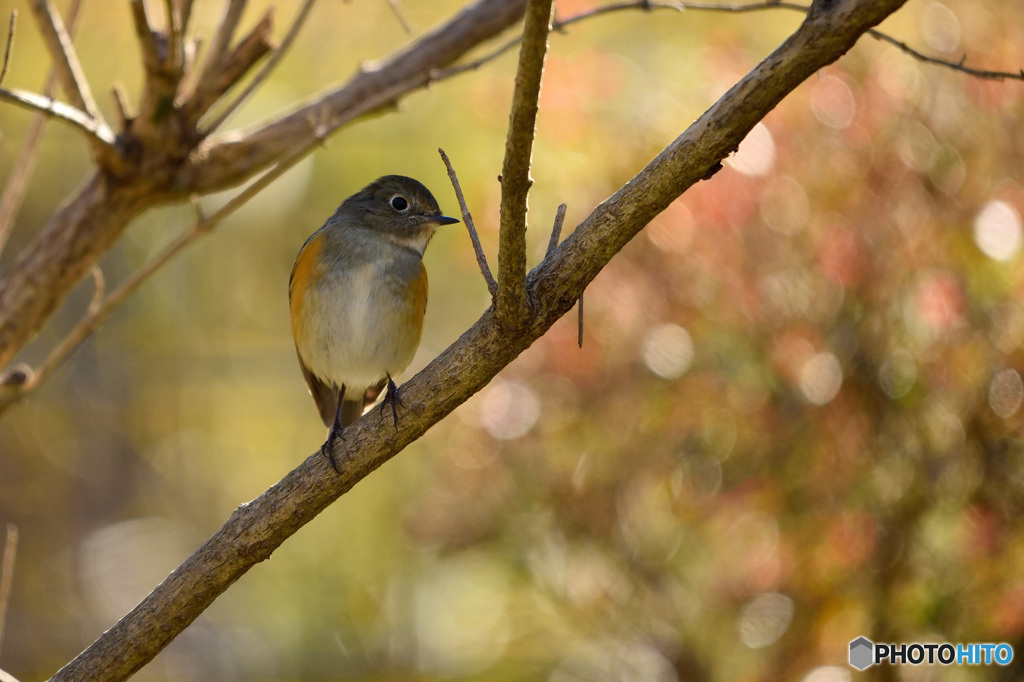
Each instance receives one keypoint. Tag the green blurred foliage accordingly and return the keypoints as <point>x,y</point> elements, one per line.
<point>795,418</point>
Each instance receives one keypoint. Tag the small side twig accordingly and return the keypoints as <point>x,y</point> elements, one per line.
<point>7,574</point>
<point>175,36</point>
<point>230,68</point>
<point>556,230</point>
<point>396,9</point>
<point>579,321</point>
<point>266,69</point>
<point>124,115</point>
<point>219,44</point>
<point>481,259</point>
<point>144,33</point>
<point>511,305</point>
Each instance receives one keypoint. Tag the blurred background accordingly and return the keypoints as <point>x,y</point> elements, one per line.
<point>795,418</point>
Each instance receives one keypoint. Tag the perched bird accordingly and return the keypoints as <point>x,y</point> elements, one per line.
<point>357,294</point>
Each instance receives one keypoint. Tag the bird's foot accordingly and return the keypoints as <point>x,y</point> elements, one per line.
<point>327,449</point>
<point>394,398</point>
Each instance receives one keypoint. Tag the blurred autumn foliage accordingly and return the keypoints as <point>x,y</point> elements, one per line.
<point>795,418</point>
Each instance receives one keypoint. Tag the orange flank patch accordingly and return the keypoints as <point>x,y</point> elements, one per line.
<point>306,264</point>
<point>418,291</point>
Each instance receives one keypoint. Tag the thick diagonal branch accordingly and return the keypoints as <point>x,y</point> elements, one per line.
<point>256,529</point>
<point>515,173</point>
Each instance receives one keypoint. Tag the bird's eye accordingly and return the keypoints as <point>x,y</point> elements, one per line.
<point>399,203</point>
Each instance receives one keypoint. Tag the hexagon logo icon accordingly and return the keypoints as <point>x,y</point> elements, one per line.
<point>861,653</point>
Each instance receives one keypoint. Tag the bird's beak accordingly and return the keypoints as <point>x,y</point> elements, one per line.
<point>443,220</point>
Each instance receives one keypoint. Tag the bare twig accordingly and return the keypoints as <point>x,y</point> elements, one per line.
<point>579,321</point>
<point>231,67</point>
<point>646,5</point>
<point>400,15</point>
<point>175,36</point>
<point>97,131</point>
<point>7,574</point>
<point>65,59</point>
<point>266,69</point>
<point>144,32</point>
<point>556,230</point>
<point>219,44</point>
<point>732,8</point>
<point>481,259</point>
<point>99,287</point>
<point>10,44</point>
<point>124,115</point>
<point>186,15</point>
<point>956,66</point>
<point>515,174</point>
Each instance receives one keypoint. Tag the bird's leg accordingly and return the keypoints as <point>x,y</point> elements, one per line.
<point>327,449</point>
<point>393,398</point>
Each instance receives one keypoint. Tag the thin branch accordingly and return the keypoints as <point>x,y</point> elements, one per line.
<point>396,9</point>
<point>734,8</point>
<point>579,321</point>
<point>219,44</point>
<point>266,69</point>
<point>645,5</point>
<point>956,66</point>
<point>65,60</point>
<point>97,131</point>
<point>17,183</point>
<point>10,44</point>
<point>481,259</point>
<point>175,36</point>
<point>231,68</point>
<point>124,116</point>
<point>146,36</point>
<point>515,174</point>
<point>7,574</point>
<point>186,15</point>
<point>556,230</point>
<point>99,287</point>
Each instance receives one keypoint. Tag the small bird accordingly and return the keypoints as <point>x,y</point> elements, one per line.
<point>357,294</point>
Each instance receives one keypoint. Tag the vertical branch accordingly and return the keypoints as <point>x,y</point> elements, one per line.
<point>515,175</point>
